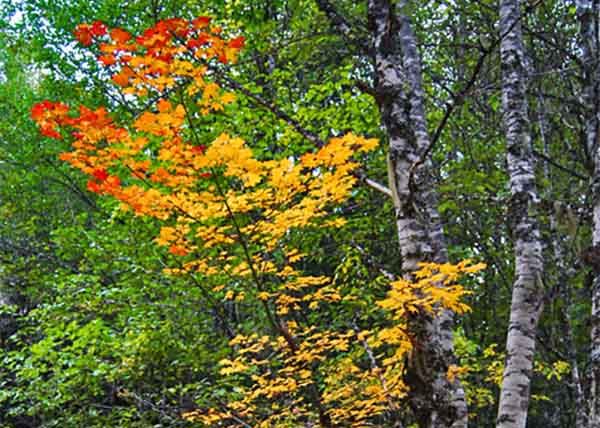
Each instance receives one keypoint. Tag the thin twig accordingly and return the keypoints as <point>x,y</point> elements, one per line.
<point>557,165</point>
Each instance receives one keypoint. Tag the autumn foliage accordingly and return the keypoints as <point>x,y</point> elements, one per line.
<point>228,216</point>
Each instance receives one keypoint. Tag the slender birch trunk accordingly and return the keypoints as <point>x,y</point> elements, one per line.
<point>435,401</point>
<point>565,276</point>
<point>526,303</point>
<point>581,410</point>
<point>588,15</point>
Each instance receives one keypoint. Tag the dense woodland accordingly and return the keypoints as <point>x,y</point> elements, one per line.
<point>300,213</point>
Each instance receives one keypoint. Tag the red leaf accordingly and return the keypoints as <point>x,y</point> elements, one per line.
<point>92,186</point>
<point>98,29</point>
<point>237,43</point>
<point>193,43</point>
<point>100,174</point>
<point>199,149</point>
<point>38,110</point>
<point>49,131</point>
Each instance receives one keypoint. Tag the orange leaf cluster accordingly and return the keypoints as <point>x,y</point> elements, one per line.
<point>164,56</point>
<point>86,33</point>
<point>48,116</point>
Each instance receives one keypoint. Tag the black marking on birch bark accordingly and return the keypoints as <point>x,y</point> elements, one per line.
<point>436,403</point>
<point>526,299</point>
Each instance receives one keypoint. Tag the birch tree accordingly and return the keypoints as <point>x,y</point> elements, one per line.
<point>588,16</point>
<point>435,401</point>
<point>526,303</point>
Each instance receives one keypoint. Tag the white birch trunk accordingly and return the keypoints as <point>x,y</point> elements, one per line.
<point>526,302</point>
<point>588,15</point>
<point>435,401</point>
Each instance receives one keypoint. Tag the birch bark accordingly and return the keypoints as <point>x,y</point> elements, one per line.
<point>526,304</point>
<point>435,401</point>
<point>588,15</point>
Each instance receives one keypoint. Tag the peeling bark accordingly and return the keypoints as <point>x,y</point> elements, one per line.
<point>435,401</point>
<point>526,304</point>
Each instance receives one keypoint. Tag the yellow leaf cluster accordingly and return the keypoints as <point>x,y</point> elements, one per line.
<point>362,372</point>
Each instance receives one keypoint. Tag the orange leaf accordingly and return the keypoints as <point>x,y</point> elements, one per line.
<point>163,106</point>
<point>83,34</point>
<point>177,250</point>
<point>107,59</point>
<point>201,22</point>
<point>119,35</point>
<point>122,78</point>
<point>237,43</point>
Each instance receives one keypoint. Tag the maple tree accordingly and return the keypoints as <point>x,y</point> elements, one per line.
<point>227,215</point>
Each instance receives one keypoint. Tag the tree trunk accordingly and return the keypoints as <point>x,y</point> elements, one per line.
<point>526,304</point>
<point>435,401</point>
<point>588,15</point>
<point>581,410</point>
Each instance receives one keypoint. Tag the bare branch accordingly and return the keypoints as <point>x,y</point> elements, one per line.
<point>280,114</point>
